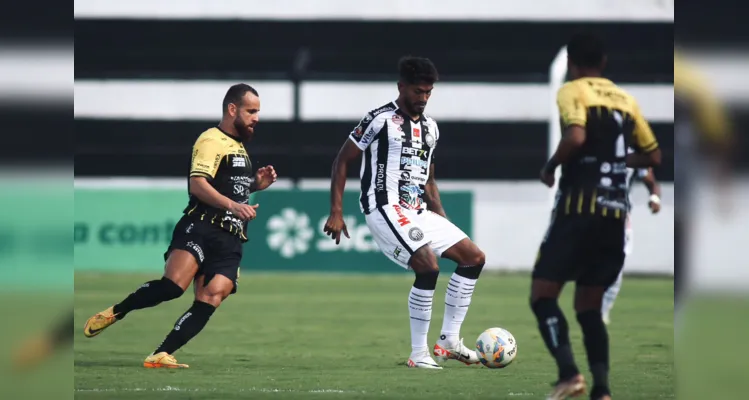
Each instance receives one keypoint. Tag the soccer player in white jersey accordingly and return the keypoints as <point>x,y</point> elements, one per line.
<point>401,204</point>
<point>654,202</point>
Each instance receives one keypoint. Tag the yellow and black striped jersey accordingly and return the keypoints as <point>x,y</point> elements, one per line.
<point>223,161</point>
<point>595,180</point>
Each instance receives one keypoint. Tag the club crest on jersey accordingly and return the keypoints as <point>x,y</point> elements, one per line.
<point>397,119</point>
<point>429,139</point>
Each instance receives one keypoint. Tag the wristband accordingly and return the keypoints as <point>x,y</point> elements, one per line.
<point>655,199</point>
<point>253,185</point>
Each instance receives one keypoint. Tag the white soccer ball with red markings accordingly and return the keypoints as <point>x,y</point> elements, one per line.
<point>496,348</point>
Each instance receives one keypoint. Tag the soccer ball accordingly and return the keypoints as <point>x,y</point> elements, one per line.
<point>496,348</point>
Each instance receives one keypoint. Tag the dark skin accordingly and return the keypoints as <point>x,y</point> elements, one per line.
<point>653,188</point>
<point>239,121</point>
<point>412,99</point>
<point>586,297</point>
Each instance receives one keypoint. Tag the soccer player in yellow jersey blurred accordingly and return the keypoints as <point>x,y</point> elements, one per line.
<point>585,239</point>
<point>702,133</point>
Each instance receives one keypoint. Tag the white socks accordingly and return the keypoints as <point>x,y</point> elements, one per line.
<point>420,311</point>
<point>457,299</point>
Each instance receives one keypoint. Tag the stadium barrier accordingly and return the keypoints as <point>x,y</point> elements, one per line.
<point>130,228</point>
<point>127,226</point>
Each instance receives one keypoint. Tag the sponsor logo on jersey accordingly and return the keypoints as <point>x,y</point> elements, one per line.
<point>238,162</point>
<point>380,183</point>
<point>412,151</point>
<point>397,119</point>
<point>410,196</point>
<point>414,162</point>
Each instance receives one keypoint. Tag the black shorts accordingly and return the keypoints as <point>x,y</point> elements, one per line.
<point>216,250</point>
<point>586,249</point>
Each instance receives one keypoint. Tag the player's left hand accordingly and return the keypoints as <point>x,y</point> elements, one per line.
<point>265,177</point>
<point>547,178</point>
<point>654,207</point>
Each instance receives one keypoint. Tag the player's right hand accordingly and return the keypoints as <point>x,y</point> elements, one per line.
<point>245,212</point>
<point>547,178</point>
<point>333,227</point>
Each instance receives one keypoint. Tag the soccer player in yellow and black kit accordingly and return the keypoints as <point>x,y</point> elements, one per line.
<point>585,240</point>
<point>702,131</point>
<point>207,241</point>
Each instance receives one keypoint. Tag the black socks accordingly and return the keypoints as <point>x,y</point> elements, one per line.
<point>187,326</point>
<point>596,341</point>
<point>148,295</point>
<point>555,331</point>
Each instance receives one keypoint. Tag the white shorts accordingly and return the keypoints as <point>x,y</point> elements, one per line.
<point>399,232</point>
<point>628,237</point>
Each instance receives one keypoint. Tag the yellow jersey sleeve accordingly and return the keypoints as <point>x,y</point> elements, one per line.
<point>643,136</point>
<point>206,157</point>
<point>572,109</point>
<point>709,115</point>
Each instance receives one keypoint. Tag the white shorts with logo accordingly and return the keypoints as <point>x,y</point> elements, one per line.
<point>400,231</point>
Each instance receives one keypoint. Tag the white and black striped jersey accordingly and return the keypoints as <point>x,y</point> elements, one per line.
<point>398,152</point>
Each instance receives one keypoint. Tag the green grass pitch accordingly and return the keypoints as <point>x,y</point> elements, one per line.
<point>315,336</point>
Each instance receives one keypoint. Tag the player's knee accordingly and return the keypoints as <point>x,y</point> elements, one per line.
<point>541,305</point>
<point>170,289</point>
<point>212,296</point>
<point>478,258</point>
<point>426,280</point>
<point>589,298</point>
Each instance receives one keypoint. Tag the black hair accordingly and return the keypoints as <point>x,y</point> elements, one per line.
<point>235,94</point>
<point>417,70</point>
<point>586,50</point>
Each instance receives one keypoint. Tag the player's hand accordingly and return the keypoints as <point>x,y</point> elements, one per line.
<point>265,177</point>
<point>654,207</point>
<point>547,178</point>
<point>333,227</point>
<point>245,212</point>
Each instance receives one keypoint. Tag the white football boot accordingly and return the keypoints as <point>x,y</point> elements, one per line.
<point>444,350</point>
<point>422,360</point>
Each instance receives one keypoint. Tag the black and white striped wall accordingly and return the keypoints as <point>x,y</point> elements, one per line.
<point>150,76</point>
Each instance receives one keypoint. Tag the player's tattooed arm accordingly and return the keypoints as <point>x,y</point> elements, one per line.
<point>432,195</point>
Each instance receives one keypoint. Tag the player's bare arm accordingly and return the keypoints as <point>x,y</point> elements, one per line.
<point>432,194</point>
<point>335,223</point>
<point>654,188</point>
<point>644,160</point>
<point>572,139</point>
<point>202,189</point>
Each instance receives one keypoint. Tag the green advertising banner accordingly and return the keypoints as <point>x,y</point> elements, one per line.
<point>126,229</point>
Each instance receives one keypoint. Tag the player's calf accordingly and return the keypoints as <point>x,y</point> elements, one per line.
<point>148,295</point>
<point>420,300</point>
<point>208,297</point>
<point>458,294</point>
<point>595,337</point>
